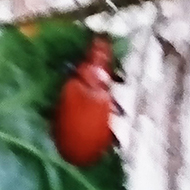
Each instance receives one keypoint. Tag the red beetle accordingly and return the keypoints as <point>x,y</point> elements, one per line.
<point>82,131</point>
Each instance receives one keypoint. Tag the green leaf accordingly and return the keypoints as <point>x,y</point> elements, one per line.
<point>120,47</point>
<point>27,162</point>
<point>62,41</point>
<point>107,170</point>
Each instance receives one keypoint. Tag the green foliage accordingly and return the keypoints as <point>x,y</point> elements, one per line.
<point>29,85</point>
<point>120,50</point>
<point>120,47</point>
<point>58,38</point>
<point>109,168</point>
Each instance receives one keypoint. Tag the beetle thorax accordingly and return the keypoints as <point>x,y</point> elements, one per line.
<point>95,76</point>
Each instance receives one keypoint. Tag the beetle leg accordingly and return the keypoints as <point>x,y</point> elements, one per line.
<point>117,109</point>
<point>115,140</point>
<point>117,78</point>
<point>121,75</point>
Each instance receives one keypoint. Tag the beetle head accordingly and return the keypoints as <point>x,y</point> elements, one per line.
<point>100,53</point>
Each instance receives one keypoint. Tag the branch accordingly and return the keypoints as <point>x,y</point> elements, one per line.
<point>95,7</point>
<point>98,6</point>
